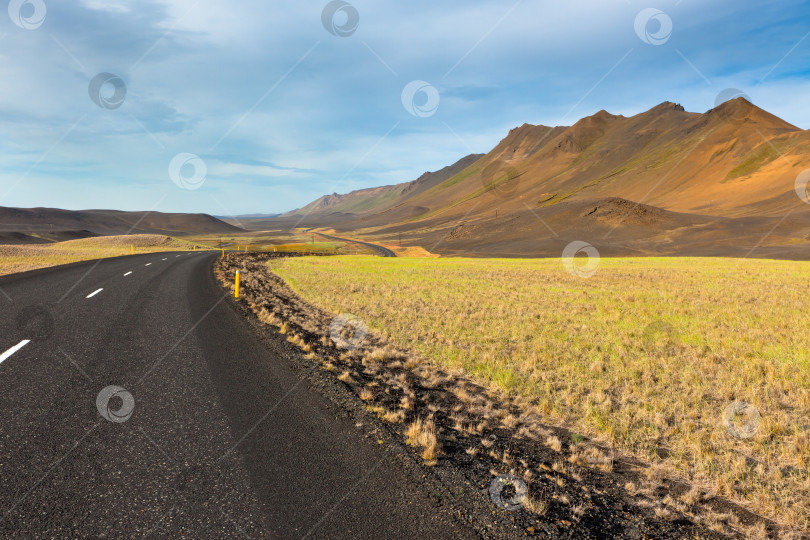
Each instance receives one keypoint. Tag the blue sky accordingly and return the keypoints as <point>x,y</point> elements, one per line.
<point>279,110</point>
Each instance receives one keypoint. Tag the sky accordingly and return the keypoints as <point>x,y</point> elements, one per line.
<point>234,108</point>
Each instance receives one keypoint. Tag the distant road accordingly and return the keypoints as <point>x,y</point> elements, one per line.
<point>211,433</point>
<point>382,251</point>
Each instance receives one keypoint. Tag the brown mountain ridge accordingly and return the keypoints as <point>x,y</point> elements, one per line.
<point>42,225</point>
<point>665,181</point>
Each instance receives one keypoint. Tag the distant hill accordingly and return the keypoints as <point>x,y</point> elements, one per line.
<point>387,198</point>
<point>690,172</point>
<point>248,216</point>
<point>28,225</point>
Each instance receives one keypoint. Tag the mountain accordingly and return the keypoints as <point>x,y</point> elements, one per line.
<point>64,224</point>
<point>247,216</point>
<point>393,199</point>
<point>690,172</point>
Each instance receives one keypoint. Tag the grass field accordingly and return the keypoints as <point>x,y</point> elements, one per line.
<point>298,241</point>
<point>647,354</point>
<point>20,258</point>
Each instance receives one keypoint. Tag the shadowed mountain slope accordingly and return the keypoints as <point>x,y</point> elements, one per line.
<point>106,222</point>
<point>735,161</point>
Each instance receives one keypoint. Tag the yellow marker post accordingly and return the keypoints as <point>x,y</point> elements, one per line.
<point>236,286</point>
<point>132,250</point>
<point>194,248</point>
<point>223,252</point>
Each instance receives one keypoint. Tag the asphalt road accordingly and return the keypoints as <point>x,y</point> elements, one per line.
<point>210,434</point>
<point>382,251</point>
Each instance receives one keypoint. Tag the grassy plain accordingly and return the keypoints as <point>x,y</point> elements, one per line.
<point>21,258</point>
<point>645,355</point>
<point>298,240</point>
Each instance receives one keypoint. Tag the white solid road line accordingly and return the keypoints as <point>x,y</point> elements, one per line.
<point>147,264</point>
<point>14,349</point>
<point>128,273</point>
<point>92,294</point>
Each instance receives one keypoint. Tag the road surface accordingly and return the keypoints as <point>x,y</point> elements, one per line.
<point>380,250</point>
<point>135,401</point>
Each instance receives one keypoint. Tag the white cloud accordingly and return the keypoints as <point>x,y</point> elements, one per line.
<point>240,169</point>
<point>113,6</point>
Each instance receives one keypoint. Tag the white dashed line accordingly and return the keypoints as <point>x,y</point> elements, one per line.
<point>128,273</point>
<point>14,349</point>
<point>147,264</point>
<point>166,259</point>
<point>92,294</point>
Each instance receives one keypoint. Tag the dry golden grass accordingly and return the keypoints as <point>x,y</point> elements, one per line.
<point>422,433</point>
<point>21,258</point>
<point>645,355</point>
<point>409,251</point>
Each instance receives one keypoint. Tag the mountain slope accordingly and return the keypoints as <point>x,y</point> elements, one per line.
<point>721,163</point>
<point>108,222</point>
<point>375,200</point>
<point>735,161</point>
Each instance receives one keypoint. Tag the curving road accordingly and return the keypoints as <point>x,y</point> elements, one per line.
<point>206,432</point>
<point>380,250</point>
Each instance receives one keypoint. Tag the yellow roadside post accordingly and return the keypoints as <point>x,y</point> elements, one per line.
<point>236,286</point>
<point>131,249</point>
<point>223,252</point>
